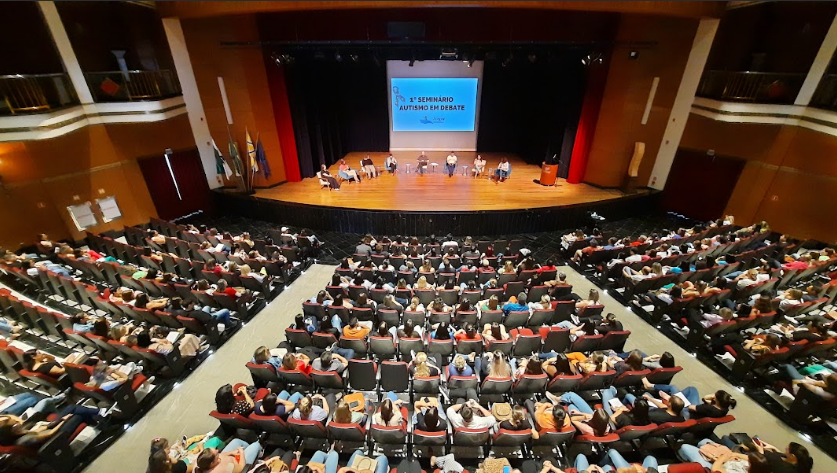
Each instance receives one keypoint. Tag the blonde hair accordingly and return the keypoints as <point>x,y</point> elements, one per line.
<point>422,370</point>
<point>498,367</point>
<point>304,406</point>
<point>508,266</point>
<point>245,269</point>
<point>459,362</point>
<point>421,283</point>
<point>414,303</point>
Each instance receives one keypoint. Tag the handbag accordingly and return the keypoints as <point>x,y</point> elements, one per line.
<point>356,402</point>
<point>501,411</point>
<point>712,451</point>
<point>494,465</point>
<point>362,463</point>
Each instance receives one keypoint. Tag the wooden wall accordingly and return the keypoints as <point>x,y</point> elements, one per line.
<point>41,178</point>
<point>789,180</point>
<point>626,93</point>
<point>245,80</point>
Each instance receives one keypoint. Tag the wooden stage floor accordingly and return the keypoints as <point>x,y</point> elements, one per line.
<point>436,192</point>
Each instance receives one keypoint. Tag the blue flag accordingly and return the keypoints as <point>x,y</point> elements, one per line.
<point>261,158</point>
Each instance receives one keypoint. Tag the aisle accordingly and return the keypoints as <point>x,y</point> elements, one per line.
<point>750,417</point>
<point>185,411</point>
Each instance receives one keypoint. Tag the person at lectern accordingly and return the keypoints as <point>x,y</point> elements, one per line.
<point>391,164</point>
<point>346,172</point>
<point>369,167</point>
<point>502,171</point>
<point>423,161</point>
<point>479,165</point>
<point>450,163</point>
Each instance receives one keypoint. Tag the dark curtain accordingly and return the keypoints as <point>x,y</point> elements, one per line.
<point>532,109</point>
<point>191,180</point>
<point>337,108</point>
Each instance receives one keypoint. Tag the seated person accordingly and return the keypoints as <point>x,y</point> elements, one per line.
<point>15,431</point>
<point>232,459</point>
<point>408,330</point>
<point>467,332</point>
<point>494,365</point>
<point>518,421</point>
<point>584,418</point>
<point>355,330</point>
<point>389,413</point>
<point>422,368</point>
<point>277,405</point>
<point>441,331</point>
<point>609,324</point>
<point>262,356</point>
<point>347,173</point>
<point>344,415</point>
<point>297,362</point>
<point>516,306</point>
<point>548,415</point>
<point>592,299</point>
<point>470,415</point>
<point>427,416</point>
<point>459,367</point>
<point>492,303</point>
<point>713,405</point>
<point>226,401</point>
<point>495,332</point>
<point>312,407</point>
<point>438,306</point>
<point>329,361</point>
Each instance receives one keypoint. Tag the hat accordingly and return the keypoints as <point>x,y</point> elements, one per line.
<point>501,411</point>
<point>284,229</point>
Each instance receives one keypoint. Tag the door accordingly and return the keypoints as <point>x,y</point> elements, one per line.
<point>699,186</point>
<point>177,185</point>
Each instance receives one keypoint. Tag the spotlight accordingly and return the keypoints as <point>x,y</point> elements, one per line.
<point>633,54</point>
<point>288,59</point>
<point>354,57</point>
<point>338,57</point>
<point>532,57</point>
<point>586,60</point>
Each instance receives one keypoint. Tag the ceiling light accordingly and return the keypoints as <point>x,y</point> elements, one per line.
<point>355,57</point>
<point>532,57</point>
<point>338,57</point>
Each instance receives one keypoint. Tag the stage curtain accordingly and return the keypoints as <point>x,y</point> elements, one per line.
<point>337,108</point>
<point>596,79</point>
<point>191,181</point>
<point>284,122</point>
<point>531,109</point>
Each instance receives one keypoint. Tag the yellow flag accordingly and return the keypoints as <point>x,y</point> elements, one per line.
<point>251,153</point>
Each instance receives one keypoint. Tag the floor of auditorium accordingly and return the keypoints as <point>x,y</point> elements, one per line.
<point>185,410</point>
<point>438,192</point>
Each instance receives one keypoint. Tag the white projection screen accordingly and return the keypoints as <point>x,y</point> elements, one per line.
<point>435,137</point>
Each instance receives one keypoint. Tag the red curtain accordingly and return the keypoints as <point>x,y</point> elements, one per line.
<point>596,80</point>
<point>282,115</point>
<point>191,182</point>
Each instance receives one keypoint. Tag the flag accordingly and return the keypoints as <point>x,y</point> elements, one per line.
<point>221,166</point>
<point>234,157</point>
<point>251,153</point>
<point>262,158</point>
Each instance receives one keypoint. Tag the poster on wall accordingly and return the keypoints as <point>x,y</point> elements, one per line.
<point>82,215</point>
<point>109,208</point>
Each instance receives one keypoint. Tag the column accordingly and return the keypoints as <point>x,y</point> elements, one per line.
<point>818,68</point>
<point>192,98</point>
<point>65,50</point>
<point>683,102</point>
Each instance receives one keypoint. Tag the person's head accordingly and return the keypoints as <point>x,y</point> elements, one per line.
<point>640,412</point>
<point>386,410</point>
<point>459,363</point>
<point>305,405</point>
<point>261,355</point>
<point>772,340</point>
<point>599,422</point>
<point>224,399</point>
<point>634,360</point>
<point>143,339</point>
<point>422,370</point>
<point>666,360</point>
<point>676,404</point>
<point>763,304</point>
<point>221,285</point>
<point>269,404</point>
<point>518,415</point>
<point>442,331</point>
<point>724,400</point>
<point>383,329</point>
<point>289,361</point>
<point>159,444</point>
<point>159,462</point>
<point>593,296</point>
<point>470,330</point>
<point>342,413</point>
<point>499,367</point>
<point>803,460</point>
<point>208,459</point>
<point>496,331</point>
<point>794,294</point>
<point>101,327</point>
<point>559,414</point>
<point>758,463</point>
<point>203,285</point>
<point>521,298</point>
<point>431,418</point>
<point>493,302</point>
<point>533,366</point>
<point>467,414</point>
<point>831,383</point>
<point>726,313</point>
<point>354,322</point>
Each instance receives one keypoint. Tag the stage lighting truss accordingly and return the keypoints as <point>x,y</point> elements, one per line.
<point>592,58</point>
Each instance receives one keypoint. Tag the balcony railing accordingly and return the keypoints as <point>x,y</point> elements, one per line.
<point>759,87</point>
<point>130,86</point>
<point>826,94</point>
<point>37,93</point>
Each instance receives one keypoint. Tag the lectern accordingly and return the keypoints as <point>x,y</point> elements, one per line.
<point>548,174</point>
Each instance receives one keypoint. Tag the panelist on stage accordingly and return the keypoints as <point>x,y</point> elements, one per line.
<point>369,167</point>
<point>346,172</point>
<point>391,164</point>
<point>479,165</point>
<point>423,161</point>
<point>450,163</point>
<point>503,170</point>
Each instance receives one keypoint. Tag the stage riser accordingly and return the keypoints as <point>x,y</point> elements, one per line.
<point>426,223</point>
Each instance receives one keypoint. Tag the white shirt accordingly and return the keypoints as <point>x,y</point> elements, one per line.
<point>451,159</point>
<point>391,159</point>
<point>477,422</point>
<point>480,163</point>
<point>503,166</point>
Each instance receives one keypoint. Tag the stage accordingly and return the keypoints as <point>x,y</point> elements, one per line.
<point>409,203</point>
<point>437,192</point>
